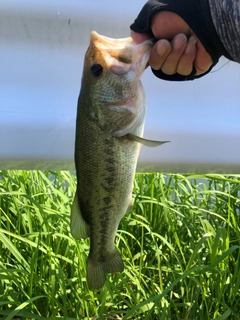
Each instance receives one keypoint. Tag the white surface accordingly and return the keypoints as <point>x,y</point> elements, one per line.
<point>42,48</point>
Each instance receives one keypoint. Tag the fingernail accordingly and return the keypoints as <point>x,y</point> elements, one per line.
<point>193,39</point>
<point>163,47</point>
<point>179,41</point>
<point>191,44</point>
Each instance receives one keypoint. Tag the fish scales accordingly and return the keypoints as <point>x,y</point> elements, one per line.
<point>105,173</point>
<point>106,166</point>
<point>109,128</point>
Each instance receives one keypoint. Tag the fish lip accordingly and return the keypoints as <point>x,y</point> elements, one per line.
<point>108,42</point>
<point>145,57</point>
<point>119,43</point>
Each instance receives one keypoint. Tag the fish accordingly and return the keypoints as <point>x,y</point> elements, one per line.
<point>109,128</point>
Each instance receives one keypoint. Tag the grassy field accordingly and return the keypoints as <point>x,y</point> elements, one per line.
<point>180,246</point>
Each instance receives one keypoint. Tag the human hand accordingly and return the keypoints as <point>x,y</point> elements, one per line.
<point>178,50</point>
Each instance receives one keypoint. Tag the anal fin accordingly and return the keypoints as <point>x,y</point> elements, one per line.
<point>79,227</point>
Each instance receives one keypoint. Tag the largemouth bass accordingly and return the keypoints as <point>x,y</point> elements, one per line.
<point>109,127</point>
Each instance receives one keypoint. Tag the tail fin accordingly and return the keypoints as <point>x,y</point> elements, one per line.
<point>79,227</point>
<point>97,271</point>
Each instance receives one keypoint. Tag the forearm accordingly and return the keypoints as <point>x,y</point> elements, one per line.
<point>226,19</point>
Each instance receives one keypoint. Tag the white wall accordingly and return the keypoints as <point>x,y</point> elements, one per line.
<point>42,48</point>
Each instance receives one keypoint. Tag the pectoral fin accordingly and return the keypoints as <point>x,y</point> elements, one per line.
<point>79,227</point>
<point>145,142</point>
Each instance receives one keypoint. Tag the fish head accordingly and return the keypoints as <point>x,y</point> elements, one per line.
<point>111,88</point>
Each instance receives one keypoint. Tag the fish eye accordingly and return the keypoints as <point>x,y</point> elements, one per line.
<point>96,70</point>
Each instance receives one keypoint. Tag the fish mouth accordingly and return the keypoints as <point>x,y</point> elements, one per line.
<point>106,42</point>
<point>124,53</point>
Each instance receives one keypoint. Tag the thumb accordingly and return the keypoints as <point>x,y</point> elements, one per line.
<point>139,37</point>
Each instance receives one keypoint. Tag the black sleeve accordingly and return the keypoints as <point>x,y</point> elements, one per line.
<point>197,15</point>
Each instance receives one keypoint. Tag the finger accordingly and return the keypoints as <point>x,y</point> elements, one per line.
<point>179,45</point>
<point>185,64</point>
<point>159,53</point>
<point>203,60</point>
<point>139,37</point>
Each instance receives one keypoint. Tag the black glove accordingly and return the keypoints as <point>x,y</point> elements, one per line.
<point>196,14</point>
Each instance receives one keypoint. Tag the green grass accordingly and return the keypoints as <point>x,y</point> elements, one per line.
<point>180,246</point>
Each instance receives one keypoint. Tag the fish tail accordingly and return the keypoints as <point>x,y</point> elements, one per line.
<point>79,227</point>
<point>97,270</point>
